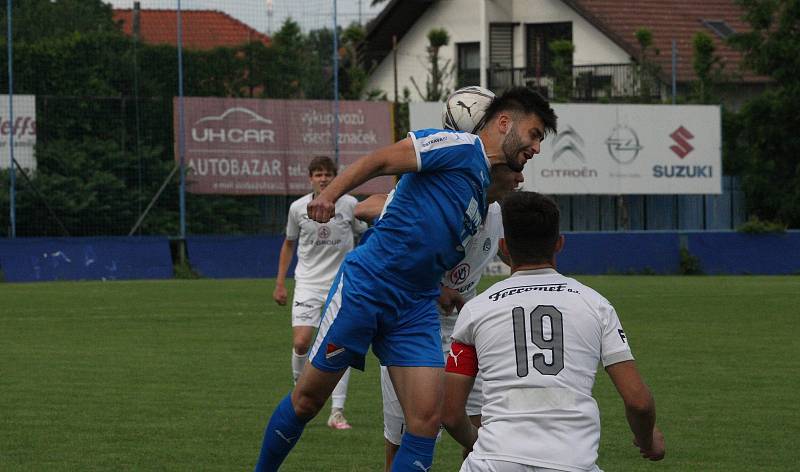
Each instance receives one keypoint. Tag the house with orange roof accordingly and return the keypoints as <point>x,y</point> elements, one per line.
<point>502,43</point>
<point>201,29</point>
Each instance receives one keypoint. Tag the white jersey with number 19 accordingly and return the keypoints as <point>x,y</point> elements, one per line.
<point>538,338</point>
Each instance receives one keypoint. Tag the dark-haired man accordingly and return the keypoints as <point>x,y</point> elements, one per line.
<point>385,293</point>
<point>320,252</point>
<point>538,337</point>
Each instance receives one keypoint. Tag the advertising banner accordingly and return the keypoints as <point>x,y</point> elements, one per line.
<point>257,147</point>
<point>23,127</point>
<point>621,149</point>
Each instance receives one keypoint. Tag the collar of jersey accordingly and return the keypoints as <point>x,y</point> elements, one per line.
<point>545,271</point>
<point>485,157</point>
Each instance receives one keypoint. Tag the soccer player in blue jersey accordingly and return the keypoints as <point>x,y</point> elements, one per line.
<point>386,290</point>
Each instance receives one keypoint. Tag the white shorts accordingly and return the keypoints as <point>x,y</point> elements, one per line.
<point>394,424</point>
<point>490,465</point>
<point>307,306</point>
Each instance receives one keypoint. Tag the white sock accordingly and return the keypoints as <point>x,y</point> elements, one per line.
<point>298,362</point>
<point>340,392</point>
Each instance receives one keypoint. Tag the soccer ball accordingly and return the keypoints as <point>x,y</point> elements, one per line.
<point>465,109</point>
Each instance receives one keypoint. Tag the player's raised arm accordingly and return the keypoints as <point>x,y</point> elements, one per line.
<point>397,158</point>
<point>640,409</point>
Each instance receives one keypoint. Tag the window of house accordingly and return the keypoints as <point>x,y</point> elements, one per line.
<point>469,64</point>
<point>501,45</point>
<point>722,29</point>
<point>538,37</point>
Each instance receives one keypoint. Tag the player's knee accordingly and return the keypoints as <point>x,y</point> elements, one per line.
<point>301,348</point>
<point>306,405</point>
<point>425,422</point>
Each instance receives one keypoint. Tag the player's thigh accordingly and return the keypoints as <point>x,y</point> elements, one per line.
<point>307,306</point>
<point>471,464</point>
<point>420,391</point>
<point>409,335</point>
<point>348,325</point>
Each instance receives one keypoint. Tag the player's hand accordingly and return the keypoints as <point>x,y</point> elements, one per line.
<point>657,448</point>
<point>321,209</point>
<point>279,295</point>
<point>450,300</point>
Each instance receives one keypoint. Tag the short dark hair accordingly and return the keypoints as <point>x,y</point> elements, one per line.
<point>530,224</point>
<point>524,100</point>
<point>322,163</point>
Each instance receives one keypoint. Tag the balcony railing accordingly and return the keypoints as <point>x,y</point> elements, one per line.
<point>588,83</point>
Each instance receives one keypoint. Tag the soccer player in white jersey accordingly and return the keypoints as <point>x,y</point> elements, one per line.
<point>320,252</point>
<point>537,338</point>
<point>384,295</point>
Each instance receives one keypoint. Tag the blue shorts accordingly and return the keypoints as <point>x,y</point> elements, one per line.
<point>402,325</point>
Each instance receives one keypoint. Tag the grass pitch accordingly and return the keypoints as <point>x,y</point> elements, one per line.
<point>182,375</point>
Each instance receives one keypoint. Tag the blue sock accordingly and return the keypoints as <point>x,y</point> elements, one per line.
<point>415,454</point>
<point>280,436</point>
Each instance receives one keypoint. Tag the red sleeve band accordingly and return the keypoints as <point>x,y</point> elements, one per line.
<point>462,359</point>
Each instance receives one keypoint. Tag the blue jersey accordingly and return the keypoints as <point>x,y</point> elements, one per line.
<point>433,213</point>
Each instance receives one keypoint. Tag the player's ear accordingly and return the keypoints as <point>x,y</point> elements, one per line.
<point>504,122</point>
<point>504,249</point>
<point>559,244</point>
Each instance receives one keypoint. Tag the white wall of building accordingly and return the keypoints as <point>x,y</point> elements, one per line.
<point>462,20</point>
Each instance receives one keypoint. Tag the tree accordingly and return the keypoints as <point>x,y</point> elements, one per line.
<point>767,152</point>
<point>40,20</point>
<point>105,115</point>
<point>562,50</point>
<point>290,64</point>
<point>646,71</point>
<point>438,74</point>
<point>707,66</point>
<point>354,74</point>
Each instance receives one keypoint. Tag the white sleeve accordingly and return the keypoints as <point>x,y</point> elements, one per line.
<point>614,344</point>
<point>463,331</point>
<point>417,150</point>
<point>292,225</point>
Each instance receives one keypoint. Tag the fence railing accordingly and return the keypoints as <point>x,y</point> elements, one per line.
<point>588,82</point>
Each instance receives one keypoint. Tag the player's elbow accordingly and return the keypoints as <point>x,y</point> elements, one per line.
<point>641,403</point>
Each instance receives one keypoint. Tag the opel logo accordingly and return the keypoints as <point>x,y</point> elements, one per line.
<point>623,144</point>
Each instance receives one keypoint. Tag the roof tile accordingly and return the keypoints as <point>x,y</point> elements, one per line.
<point>668,20</point>
<point>202,29</point>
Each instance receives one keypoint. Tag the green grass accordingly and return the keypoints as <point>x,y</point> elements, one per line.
<point>183,374</point>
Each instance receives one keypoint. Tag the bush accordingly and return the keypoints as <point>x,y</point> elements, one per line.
<point>757,226</point>
<point>690,264</point>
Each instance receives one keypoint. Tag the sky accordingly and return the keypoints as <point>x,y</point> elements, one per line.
<point>310,14</point>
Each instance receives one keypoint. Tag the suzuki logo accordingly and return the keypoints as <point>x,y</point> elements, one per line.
<point>681,136</point>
